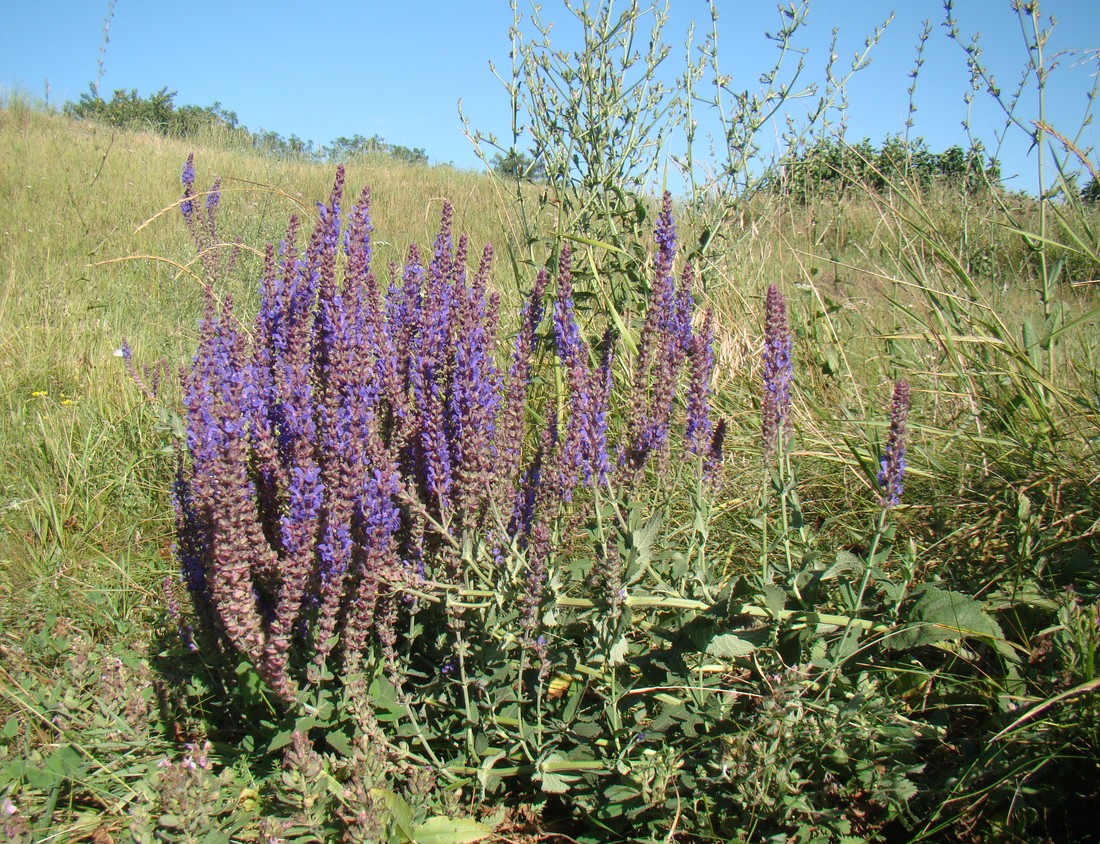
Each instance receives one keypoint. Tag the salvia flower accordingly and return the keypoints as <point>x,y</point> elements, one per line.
<point>777,372</point>
<point>214,196</point>
<point>891,474</point>
<point>187,207</point>
<point>665,342</point>
<point>698,431</point>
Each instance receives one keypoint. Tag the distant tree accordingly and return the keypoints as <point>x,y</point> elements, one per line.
<point>518,165</point>
<point>358,146</point>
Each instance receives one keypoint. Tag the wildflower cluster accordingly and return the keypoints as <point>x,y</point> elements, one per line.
<point>668,344</point>
<point>203,225</point>
<point>363,442</point>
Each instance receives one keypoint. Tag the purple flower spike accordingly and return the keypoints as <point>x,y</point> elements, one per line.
<point>188,179</point>
<point>777,372</point>
<point>892,466</point>
<point>666,240</point>
<point>698,430</point>
<point>213,197</point>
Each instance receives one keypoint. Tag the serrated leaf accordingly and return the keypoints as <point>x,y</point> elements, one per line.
<point>485,775</point>
<point>588,730</point>
<point>941,615</point>
<point>730,646</point>
<point>845,561</point>
<point>643,540</point>
<point>339,742</point>
<point>555,783</point>
<point>442,830</point>
<point>280,740</point>
<point>66,763</point>
<point>775,599</point>
<point>552,782</point>
<point>169,821</point>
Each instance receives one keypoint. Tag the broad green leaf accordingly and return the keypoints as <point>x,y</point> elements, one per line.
<point>66,763</point>
<point>170,821</point>
<point>940,615</point>
<point>845,561</point>
<point>774,598</point>
<point>339,742</point>
<point>485,775</point>
<point>729,646</point>
<point>552,782</point>
<point>555,783</point>
<point>441,830</point>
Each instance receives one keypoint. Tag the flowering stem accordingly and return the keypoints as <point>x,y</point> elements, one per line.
<point>876,537</point>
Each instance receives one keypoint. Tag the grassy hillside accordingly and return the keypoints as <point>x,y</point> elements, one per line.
<point>941,289</point>
<point>95,253</point>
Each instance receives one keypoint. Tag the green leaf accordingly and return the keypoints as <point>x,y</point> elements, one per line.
<point>280,740</point>
<point>485,775</point>
<point>618,653</point>
<point>441,830</point>
<point>552,782</point>
<point>400,812</point>
<point>65,763</point>
<point>339,742</point>
<point>775,599</point>
<point>555,783</point>
<point>845,561</point>
<point>730,646</point>
<point>170,821</point>
<point>940,615</point>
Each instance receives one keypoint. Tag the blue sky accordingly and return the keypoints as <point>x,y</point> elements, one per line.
<point>398,69</point>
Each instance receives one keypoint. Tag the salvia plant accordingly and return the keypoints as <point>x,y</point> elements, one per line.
<point>372,486</point>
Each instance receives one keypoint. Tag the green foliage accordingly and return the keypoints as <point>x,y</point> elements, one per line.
<point>606,117</point>
<point>80,732</point>
<point>156,113</point>
<point>932,677</point>
<point>159,113</point>
<point>832,168</point>
<point>516,165</point>
<point>597,118</point>
<point>1090,193</point>
<point>357,146</point>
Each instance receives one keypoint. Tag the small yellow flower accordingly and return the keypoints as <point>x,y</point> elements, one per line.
<point>38,394</point>
<point>68,401</point>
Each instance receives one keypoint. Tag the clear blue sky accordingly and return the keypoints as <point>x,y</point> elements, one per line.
<point>398,69</point>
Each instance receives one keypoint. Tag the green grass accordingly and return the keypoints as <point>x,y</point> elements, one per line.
<point>1002,499</point>
<point>94,254</point>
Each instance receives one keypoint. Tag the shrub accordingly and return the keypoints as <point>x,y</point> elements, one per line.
<point>157,112</point>
<point>831,168</point>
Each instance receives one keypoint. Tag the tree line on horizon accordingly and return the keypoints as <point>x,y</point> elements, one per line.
<point>825,167</point>
<point>159,113</point>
